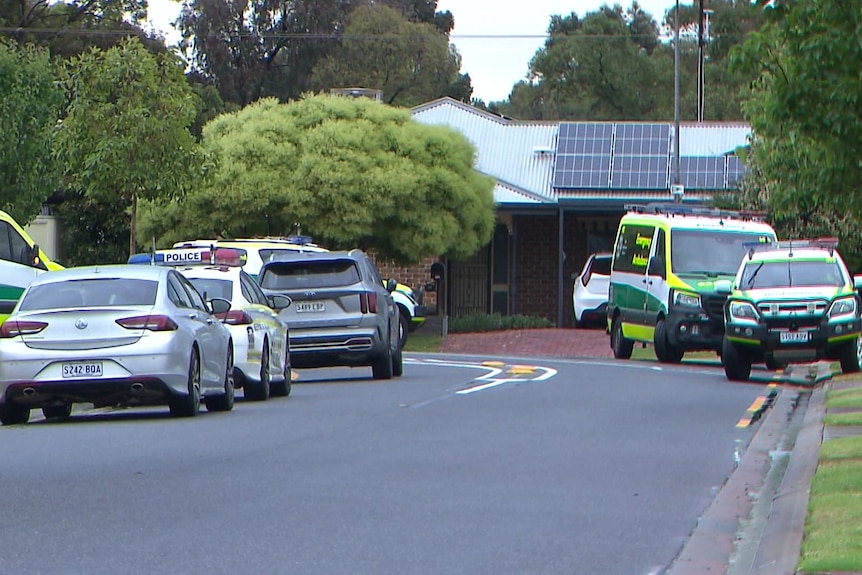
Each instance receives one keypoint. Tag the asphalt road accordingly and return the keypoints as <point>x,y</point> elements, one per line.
<point>457,467</point>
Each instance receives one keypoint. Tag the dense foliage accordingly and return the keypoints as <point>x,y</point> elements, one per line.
<point>126,134</point>
<point>804,109</point>
<point>351,172</point>
<point>30,104</point>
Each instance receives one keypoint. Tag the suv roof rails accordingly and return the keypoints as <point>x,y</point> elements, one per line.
<point>825,243</point>
<point>701,211</point>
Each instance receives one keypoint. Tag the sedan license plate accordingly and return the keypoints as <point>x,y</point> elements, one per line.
<point>793,337</point>
<point>310,306</point>
<point>88,369</point>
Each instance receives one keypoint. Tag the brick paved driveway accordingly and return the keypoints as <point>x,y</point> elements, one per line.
<point>551,342</point>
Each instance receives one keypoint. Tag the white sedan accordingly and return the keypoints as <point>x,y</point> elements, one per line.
<point>116,335</point>
<point>261,338</point>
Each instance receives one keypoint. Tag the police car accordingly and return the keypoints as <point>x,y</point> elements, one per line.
<point>258,251</point>
<point>261,340</point>
<point>791,302</point>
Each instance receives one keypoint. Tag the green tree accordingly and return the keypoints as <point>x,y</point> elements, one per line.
<point>804,107</point>
<point>126,136</point>
<point>263,48</point>
<point>30,104</point>
<point>351,172</point>
<point>409,62</point>
<point>617,64</point>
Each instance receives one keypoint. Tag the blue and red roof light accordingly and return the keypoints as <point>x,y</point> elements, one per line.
<point>232,257</point>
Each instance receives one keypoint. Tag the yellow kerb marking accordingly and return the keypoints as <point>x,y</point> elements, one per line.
<point>758,403</point>
<point>744,422</point>
<point>493,363</point>
<point>521,369</point>
<point>293,375</point>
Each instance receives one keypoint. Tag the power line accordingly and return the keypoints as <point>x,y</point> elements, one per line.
<point>319,36</point>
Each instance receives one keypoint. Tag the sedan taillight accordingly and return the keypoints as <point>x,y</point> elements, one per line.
<point>235,317</point>
<point>368,302</point>
<point>15,327</point>
<point>150,322</point>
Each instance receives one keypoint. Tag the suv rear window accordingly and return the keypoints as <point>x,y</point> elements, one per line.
<point>309,274</point>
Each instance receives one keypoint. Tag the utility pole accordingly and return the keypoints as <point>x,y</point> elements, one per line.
<point>676,179</point>
<point>700,43</point>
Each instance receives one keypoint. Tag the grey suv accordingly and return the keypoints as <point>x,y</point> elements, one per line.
<point>342,313</point>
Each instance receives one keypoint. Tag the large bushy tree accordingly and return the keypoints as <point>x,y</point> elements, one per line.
<point>126,136</point>
<point>351,172</point>
<point>30,103</point>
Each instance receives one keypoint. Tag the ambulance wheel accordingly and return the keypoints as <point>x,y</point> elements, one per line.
<point>622,347</point>
<point>737,362</point>
<point>664,351</point>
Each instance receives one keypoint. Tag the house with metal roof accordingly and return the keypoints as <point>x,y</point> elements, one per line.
<point>561,189</point>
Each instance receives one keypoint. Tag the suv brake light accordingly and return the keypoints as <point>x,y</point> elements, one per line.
<point>368,302</point>
<point>14,328</point>
<point>150,322</point>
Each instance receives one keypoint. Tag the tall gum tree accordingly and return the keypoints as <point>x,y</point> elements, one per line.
<point>30,103</point>
<point>351,171</point>
<point>126,134</point>
<point>409,62</point>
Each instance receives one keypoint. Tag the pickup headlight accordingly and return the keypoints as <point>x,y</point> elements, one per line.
<point>683,298</point>
<point>742,310</point>
<point>843,306</point>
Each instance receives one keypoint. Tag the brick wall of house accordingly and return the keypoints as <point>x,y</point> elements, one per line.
<point>536,260</point>
<point>536,249</point>
<point>415,276</point>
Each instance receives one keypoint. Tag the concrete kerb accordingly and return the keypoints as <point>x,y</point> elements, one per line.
<point>807,374</point>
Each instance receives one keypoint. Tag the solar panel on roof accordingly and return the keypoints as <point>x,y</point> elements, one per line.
<point>583,172</point>
<point>583,155</point>
<point>640,172</point>
<point>735,170</point>
<point>585,138</point>
<point>642,140</point>
<point>702,172</point>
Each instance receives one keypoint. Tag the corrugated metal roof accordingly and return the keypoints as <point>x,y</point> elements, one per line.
<point>712,138</point>
<point>518,153</point>
<point>521,155</point>
<point>506,194</point>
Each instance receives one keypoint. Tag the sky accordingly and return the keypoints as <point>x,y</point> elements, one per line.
<point>496,38</point>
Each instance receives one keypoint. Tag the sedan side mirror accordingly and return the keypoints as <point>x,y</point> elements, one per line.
<point>391,284</point>
<point>857,282</point>
<point>219,305</point>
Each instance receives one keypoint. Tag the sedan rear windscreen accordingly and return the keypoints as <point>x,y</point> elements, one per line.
<point>211,287</point>
<point>90,293</point>
<point>303,275</point>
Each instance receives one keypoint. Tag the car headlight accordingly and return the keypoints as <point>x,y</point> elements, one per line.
<point>843,306</point>
<point>742,310</point>
<point>683,298</point>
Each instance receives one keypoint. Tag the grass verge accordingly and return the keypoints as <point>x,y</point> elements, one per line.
<point>833,526</point>
<point>426,342</point>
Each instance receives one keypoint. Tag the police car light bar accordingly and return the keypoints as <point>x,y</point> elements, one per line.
<point>703,211</point>
<point>827,243</point>
<point>192,256</point>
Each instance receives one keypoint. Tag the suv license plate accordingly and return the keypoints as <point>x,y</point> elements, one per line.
<point>310,306</point>
<point>793,336</point>
<point>92,369</point>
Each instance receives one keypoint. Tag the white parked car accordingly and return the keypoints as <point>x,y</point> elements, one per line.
<point>261,339</point>
<point>115,335</point>
<point>590,290</point>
